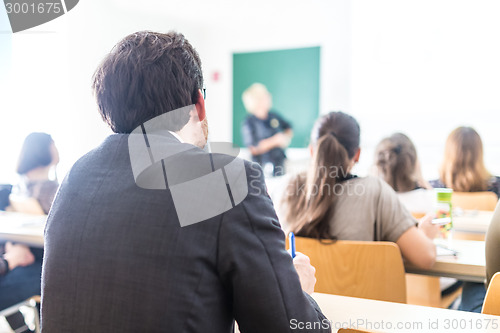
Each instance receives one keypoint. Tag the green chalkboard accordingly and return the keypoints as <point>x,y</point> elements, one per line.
<point>291,76</point>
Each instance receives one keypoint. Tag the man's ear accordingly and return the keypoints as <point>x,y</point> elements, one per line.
<point>200,106</point>
<point>356,156</point>
<point>311,151</point>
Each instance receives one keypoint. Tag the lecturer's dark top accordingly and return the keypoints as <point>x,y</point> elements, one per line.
<point>117,259</point>
<point>254,130</point>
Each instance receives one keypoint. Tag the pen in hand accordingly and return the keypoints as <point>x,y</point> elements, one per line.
<point>291,240</point>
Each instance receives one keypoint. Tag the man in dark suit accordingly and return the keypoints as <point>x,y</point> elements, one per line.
<point>142,236</point>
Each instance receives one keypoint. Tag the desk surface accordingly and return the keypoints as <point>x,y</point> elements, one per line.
<point>472,221</point>
<point>22,228</point>
<point>468,265</point>
<point>378,316</point>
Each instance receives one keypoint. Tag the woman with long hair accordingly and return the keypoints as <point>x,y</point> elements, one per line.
<point>397,163</point>
<point>328,202</point>
<point>463,167</point>
<point>463,170</point>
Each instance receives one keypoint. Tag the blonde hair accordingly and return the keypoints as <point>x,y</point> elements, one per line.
<point>463,167</point>
<point>252,95</point>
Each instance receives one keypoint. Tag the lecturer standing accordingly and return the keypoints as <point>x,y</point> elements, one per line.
<point>265,132</point>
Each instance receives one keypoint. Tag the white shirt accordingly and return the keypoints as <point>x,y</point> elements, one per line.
<point>177,136</point>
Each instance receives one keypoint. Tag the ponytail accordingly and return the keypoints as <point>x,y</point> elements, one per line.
<point>310,201</point>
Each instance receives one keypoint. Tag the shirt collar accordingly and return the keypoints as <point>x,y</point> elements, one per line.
<point>177,136</point>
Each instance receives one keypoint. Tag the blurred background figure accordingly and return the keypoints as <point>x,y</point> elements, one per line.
<point>21,267</point>
<point>463,167</point>
<point>328,202</point>
<point>265,132</point>
<point>35,193</point>
<point>463,170</point>
<point>397,163</point>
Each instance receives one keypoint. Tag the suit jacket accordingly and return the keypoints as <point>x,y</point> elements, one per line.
<point>118,260</point>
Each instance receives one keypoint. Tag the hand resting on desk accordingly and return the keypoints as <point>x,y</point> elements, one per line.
<point>18,255</point>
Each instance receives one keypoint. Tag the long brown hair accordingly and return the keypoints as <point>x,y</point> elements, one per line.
<point>310,196</point>
<point>396,160</point>
<point>463,166</point>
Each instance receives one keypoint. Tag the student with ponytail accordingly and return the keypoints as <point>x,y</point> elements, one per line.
<point>328,202</point>
<point>397,163</point>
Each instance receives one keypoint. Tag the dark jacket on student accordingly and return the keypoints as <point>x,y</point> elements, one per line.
<point>118,260</point>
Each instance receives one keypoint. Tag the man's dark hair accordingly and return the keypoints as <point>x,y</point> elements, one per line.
<point>145,75</point>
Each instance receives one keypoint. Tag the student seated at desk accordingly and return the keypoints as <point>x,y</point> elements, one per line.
<point>34,196</point>
<point>463,167</point>
<point>124,259</point>
<point>463,170</point>
<point>328,202</point>
<point>397,163</point>
<point>35,193</point>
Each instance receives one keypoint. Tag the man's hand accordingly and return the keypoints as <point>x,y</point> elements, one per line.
<point>306,272</point>
<point>18,255</point>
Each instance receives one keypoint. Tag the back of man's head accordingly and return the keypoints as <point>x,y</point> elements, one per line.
<point>145,75</point>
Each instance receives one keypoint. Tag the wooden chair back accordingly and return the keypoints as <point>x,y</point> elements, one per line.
<point>371,270</point>
<point>474,200</point>
<point>491,303</point>
<point>417,215</point>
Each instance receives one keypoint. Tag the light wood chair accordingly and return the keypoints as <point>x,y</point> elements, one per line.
<point>417,215</point>
<point>371,270</point>
<point>491,303</point>
<point>474,200</point>
<point>426,291</point>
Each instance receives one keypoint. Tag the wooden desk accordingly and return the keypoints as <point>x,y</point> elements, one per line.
<point>379,316</point>
<point>22,228</point>
<point>468,265</point>
<point>472,221</point>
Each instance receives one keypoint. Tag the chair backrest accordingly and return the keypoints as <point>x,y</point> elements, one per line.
<point>475,200</point>
<point>491,303</point>
<point>418,216</point>
<point>371,270</point>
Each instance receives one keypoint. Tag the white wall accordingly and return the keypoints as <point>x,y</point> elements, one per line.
<point>424,68</point>
<point>323,23</point>
<point>49,83</point>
